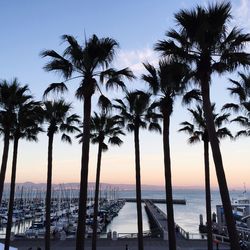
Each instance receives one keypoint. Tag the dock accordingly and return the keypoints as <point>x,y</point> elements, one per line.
<point>162,201</point>
<point>158,219</point>
<point>158,222</point>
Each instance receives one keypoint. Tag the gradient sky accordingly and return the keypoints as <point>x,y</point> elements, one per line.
<point>27,27</point>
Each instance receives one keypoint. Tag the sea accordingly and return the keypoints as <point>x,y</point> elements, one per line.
<point>186,216</point>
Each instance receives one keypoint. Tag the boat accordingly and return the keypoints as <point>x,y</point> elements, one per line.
<point>241,213</point>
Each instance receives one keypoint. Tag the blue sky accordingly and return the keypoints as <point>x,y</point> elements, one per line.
<point>28,27</point>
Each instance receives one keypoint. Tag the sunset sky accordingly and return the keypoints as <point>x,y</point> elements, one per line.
<point>28,27</point>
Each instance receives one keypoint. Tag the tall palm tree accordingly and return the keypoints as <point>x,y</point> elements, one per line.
<point>28,116</point>
<point>102,127</point>
<point>11,94</point>
<point>204,40</point>
<point>198,132</point>
<point>137,112</point>
<point>89,63</point>
<point>167,82</point>
<point>59,119</point>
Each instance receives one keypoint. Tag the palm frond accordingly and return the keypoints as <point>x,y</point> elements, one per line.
<point>243,121</point>
<point>242,133</point>
<point>57,63</point>
<point>224,132</point>
<point>192,95</point>
<point>231,106</point>
<point>104,103</point>
<point>154,126</point>
<point>56,88</point>
<point>115,140</point>
<point>151,78</point>
<point>193,139</point>
<point>66,138</point>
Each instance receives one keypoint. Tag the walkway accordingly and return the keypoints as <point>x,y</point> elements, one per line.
<point>107,244</point>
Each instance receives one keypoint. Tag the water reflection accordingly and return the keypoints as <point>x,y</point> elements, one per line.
<point>126,221</point>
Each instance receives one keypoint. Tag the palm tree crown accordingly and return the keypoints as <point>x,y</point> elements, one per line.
<point>29,116</point>
<point>57,115</point>
<point>86,63</point>
<point>137,111</point>
<point>204,40</point>
<point>198,130</point>
<point>11,95</point>
<point>105,126</point>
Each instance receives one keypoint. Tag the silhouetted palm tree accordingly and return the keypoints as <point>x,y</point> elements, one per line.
<point>11,94</point>
<point>102,127</point>
<point>28,116</point>
<point>167,81</point>
<point>86,63</point>
<point>198,132</point>
<point>136,112</point>
<point>59,119</point>
<point>205,41</point>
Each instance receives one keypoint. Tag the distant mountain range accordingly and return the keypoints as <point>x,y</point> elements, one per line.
<point>75,185</point>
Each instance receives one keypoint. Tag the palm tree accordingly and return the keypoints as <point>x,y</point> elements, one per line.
<point>57,116</point>
<point>11,94</point>
<point>198,132</point>
<point>205,41</point>
<point>87,63</point>
<point>102,127</point>
<point>136,112</point>
<point>167,82</point>
<point>28,115</point>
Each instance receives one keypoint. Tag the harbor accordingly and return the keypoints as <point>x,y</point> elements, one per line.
<point>116,219</point>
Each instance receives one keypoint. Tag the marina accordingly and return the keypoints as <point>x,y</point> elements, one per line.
<point>115,215</point>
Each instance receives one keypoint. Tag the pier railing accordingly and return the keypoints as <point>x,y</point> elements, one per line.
<point>190,236</point>
<point>134,235</point>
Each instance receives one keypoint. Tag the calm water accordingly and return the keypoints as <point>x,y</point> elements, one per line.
<point>187,216</point>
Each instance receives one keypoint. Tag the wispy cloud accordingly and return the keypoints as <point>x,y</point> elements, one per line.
<point>134,59</point>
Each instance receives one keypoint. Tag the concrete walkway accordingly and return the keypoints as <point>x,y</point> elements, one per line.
<point>106,244</point>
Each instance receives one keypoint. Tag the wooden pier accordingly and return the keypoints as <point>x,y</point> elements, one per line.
<point>162,201</point>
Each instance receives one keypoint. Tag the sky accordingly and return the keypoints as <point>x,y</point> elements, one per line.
<point>28,27</point>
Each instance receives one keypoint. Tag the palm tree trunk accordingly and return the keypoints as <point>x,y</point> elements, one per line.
<point>80,237</point>
<point>168,183</point>
<point>208,196</point>
<point>233,235</point>
<point>4,162</point>
<point>97,183</point>
<point>138,188</point>
<point>48,191</point>
<point>12,194</point>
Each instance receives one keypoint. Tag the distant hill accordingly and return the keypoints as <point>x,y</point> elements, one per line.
<point>75,185</point>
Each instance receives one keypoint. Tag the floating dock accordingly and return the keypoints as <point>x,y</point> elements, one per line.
<point>175,201</point>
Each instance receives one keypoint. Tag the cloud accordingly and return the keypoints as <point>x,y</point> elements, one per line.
<point>242,14</point>
<point>134,59</point>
